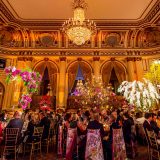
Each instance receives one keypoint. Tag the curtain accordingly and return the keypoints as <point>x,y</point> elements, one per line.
<point>120,73</point>
<point>107,73</point>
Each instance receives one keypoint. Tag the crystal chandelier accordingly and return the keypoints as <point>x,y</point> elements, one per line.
<point>78,29</point>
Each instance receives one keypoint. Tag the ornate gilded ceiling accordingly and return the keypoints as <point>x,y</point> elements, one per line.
<point>119,36</point>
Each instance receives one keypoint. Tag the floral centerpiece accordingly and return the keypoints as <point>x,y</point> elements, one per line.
<point>31,81</point>
<point>45,103</point>
<point>143,96</point>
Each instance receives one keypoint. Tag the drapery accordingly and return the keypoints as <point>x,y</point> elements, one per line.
<point>119,71</point>
<point>52,72</point>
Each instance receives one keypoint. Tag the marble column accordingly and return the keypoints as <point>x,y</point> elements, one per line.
<point>62,80</point>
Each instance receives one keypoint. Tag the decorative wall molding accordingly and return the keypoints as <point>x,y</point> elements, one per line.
<point>134,59</point>
<point>25,59</point>
<point>80,52</point>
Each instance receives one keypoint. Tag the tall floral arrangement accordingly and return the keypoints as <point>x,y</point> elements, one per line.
<point>92,93</point>
<point>143,96</point>
<point>31,81</point>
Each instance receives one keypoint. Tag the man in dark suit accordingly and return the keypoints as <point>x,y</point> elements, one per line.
<point>45,122</point>
<point>16,122</point>
<point>147,122</point>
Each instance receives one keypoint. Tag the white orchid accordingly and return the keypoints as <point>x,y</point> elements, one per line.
<point>143,95</point>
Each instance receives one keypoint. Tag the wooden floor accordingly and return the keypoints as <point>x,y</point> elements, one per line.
<point>142,155</point>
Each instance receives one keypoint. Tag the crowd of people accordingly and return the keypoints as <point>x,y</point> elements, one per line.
<point>83,120</point>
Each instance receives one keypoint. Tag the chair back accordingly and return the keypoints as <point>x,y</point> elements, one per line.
<point>38,131</point>
<point>119,149</point>
<point>11,136</point>
<point>71,145</point>
<point>152,139</point>
<point>94,148</point>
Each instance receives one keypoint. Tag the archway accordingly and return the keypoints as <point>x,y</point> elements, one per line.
<point>77,70</point>
<point>113,73</point>
<point>2,91</point>
<point>48,86</point>
<point>72,70</point>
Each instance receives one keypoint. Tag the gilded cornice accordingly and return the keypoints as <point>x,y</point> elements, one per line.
<point>80,52</point>
<point>101,24</point>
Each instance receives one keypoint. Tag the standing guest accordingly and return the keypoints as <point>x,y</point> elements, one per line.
<point>116,123</point>
<point>44,122</point>
<point>158,119</point>
<point>73,123</point>
<point>1,134</point>
<point>139,118</point>
<point>154,125</point>
<point>127,128</point>
<point>79,114</point>
<point>147,122</point>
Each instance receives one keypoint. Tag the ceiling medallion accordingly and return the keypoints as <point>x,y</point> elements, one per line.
<point>77,28</point>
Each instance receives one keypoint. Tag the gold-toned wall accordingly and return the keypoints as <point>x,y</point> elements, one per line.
<point>133,67</point>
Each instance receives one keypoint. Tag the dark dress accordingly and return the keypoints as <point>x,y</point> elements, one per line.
<point>127,131</point>
<point>30,131</point>
<point>107,145</point>
<point>45,122</point>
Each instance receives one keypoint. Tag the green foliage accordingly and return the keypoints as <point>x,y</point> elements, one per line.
<point>154,74</point>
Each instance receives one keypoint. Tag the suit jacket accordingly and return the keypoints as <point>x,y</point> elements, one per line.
<point>155,127</point>
<point>147,126</point>
<point>15,123</point>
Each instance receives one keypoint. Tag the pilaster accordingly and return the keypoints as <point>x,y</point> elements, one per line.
<point>62,80</point>
<point>96,64</point>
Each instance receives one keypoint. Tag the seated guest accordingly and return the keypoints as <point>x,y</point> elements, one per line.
<point>44,122</point>
<point>30,128</point>
<point>147,122</point>
<point>16,122</point>
<point>154,124</point>
<point>4,117</point>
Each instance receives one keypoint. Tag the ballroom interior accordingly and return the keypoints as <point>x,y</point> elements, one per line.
<point>126,40</point>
